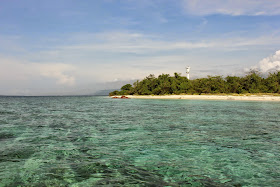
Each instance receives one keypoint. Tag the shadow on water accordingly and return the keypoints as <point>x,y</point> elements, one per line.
<point>114,174</point>
<point>16,154</point>
<point>6,135</point>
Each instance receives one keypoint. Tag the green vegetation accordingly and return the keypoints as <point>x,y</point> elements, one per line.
<point>166,84</point>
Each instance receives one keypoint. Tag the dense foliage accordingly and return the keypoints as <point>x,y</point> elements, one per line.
<point>166,84</point>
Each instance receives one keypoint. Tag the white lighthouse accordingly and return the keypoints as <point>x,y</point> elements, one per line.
<point>188,72</point>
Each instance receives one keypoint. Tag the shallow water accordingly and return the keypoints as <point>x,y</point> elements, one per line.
<point>91,141</point>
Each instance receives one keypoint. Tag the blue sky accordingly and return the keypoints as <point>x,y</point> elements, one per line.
<point>79,47</point>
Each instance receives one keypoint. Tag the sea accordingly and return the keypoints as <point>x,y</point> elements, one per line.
<point>81,141</point>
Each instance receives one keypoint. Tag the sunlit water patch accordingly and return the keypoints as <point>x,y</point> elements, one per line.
<point>91,141</point>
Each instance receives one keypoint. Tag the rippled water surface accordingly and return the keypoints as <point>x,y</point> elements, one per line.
<point>91,141</point>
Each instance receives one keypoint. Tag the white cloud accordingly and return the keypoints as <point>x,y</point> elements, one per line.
<point>138,43</point>
<point>122,55</point>
<point>58,72</point>
<point>16,72</point>
<point>232,7</point>
<point>138,47</point>
<point>269,64</point>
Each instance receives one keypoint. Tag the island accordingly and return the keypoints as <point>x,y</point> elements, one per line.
<point>252,86</point>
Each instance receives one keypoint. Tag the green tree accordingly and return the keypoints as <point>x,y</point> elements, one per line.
<point>126,87</point>
<point>273,82</point>
<point>116,92</point>
<point>253,82</point>
<point>234,85</point>
<point>217,84</point>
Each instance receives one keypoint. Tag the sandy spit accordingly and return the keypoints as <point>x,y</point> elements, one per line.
<point>207,97</point>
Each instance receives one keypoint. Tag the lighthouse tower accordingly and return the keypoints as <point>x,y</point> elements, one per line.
<point>188,72</point>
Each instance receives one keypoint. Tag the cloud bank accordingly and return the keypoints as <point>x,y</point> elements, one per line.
<point>14,71</point>
<point>82,60</point>
<point>58,72</point>
<point>269,64</point>
<point>232,7</point>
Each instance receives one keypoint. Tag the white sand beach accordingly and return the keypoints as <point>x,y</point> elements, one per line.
<point>208,97</point>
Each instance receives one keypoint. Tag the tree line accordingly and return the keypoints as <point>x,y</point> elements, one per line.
<point>164,84</point>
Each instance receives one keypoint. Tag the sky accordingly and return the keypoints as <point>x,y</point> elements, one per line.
<point>69,47</point>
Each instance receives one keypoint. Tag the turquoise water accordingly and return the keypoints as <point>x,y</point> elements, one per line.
<point>95,141</point>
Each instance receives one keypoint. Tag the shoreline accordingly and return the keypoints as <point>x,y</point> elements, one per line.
<point>207,97</point>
